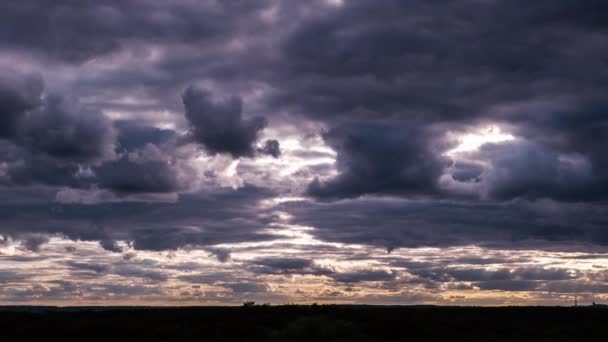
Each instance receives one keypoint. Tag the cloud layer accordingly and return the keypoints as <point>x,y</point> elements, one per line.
<point>347,146</point>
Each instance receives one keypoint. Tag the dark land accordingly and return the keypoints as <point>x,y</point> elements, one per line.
<point>309,323</point>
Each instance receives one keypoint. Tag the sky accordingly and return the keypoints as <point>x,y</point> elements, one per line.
<point>332,151</point>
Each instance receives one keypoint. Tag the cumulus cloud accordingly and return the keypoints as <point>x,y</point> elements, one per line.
<point>271,147</point>
<point>145,170</point>
<point>48,137</point>
<point>521,169</point>
<point>140,124</point>
<point>33,242</point>
<point>380,159</point>
<point>219,126</point>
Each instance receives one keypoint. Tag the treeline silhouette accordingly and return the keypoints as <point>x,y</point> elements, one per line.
<point>315,323</point>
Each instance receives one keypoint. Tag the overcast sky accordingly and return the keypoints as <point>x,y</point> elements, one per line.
<point>334,151</point>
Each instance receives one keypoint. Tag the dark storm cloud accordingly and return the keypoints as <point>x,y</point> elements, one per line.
<point>10,275</point>
<point>288,266</point>
<point>50,140</point>
<point>484,275</point>
<point>18,94</point>
<point>284,263</point>
<point>271,147</point>
<point>221,254</point>
<point>137,174</point>
<point>509,285</point>
<point>97,268</point>
<point>34,169</point>
<point>46,138</point>
<point>132,135</point>
<point>504,279</point>
<point>219,126</point>
<point>132,271</point>
<point>384,79</point>
<point>77,31</point>
<point>33,242</point>
<point>65,130</point>
<point>380,159</point>
<point>393,223</point>
<point>526,170</point>
<point>467,172</point>
<point>222,216</point>
<point>109,244</point>
<point>535,67</point>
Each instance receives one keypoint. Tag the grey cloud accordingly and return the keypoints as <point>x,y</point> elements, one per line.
<point>137,272</point>
<point>285,266</point>
<point>271,147</point>
<point>518,279</point>
<point>121,269</point>
<point>139,173</point>
<point>11,275</point>
<point>49,137</point>
<point>366,275</point>
<point>524,170</point>
<point>33,242</point>
<point>206,278</point>
<point>380,159</point>
<point>456,65</point>
<point>65,130</point>
<point>222,254</point>
<point>18,94</point>
<point>219,126</point>
<point>385,79</point>
<point>246,287</point>
<point>97,268</point>
<point>284,263</point>
<point>110,245</point>
<point>467,171</point>
<point>33,169</point>
<point>76,32</point>
<point>205,219</point>
<point>393,223</point>
<point>508,285</point>
<point>133,135</point>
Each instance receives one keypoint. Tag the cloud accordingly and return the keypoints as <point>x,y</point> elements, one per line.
<point>133,135</point>
<point>522,169</point>
<point>76,32</point>
<point>48,138</point>
<point>451,67</point>
<point>66,130</point>
<point>97,268</point>
<point>365,275</point>
<point>219,126</point>
<point>222,254</point>
<point>147,170</point>
<point>246,287</point>
<point>380,159</point>
<point>203,219</point>
<point>33,242</point>
<point>119,124</point>
<point>18,94</point>
<point>414,223</point>
<point>271,147</point>
<point>284,263</point>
